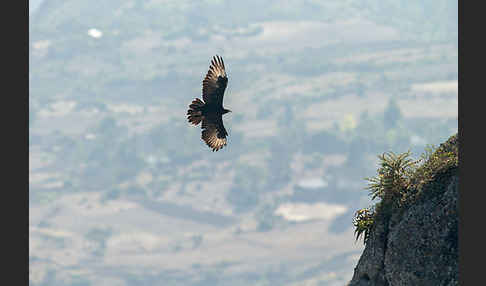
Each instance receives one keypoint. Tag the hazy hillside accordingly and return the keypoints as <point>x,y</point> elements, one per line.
<point>123,191</point>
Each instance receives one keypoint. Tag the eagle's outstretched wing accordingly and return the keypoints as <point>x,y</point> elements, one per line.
<point>213,132</point>
<point>215,82</point>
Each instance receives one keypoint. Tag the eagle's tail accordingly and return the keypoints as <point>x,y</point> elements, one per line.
<point>195,111</point>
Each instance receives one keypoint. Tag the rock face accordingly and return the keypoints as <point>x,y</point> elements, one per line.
<point>417,245</point>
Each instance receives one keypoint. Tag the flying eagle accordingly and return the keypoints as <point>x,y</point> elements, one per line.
<point>211,111</point>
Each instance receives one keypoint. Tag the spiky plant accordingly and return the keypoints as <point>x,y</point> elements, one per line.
<point>394,176</point>
<point>390,185</point>
<point>363,222</point>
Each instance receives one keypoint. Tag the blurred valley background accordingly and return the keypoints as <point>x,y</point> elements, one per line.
<point>122,191</point>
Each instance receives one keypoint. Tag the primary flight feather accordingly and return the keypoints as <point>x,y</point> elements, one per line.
<point>210,111</point>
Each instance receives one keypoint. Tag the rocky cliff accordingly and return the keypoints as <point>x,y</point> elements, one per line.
<point>412,237</point>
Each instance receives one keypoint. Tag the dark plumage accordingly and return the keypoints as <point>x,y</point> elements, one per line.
<point>210,111</point>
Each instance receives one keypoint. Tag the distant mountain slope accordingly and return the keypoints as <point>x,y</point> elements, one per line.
<point>436,20</point>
